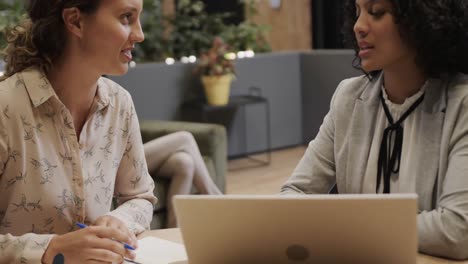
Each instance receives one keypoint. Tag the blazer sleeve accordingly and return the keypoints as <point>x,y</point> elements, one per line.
<point>315,172</point>
<point>444,230</point>
<point>134,185</point>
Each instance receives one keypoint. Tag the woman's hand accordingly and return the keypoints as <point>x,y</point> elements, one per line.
<point>111,221</point>
<point>94,244</point>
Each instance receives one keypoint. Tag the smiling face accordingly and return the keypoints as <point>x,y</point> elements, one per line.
<point>380,44</point>
<point>110,34</point>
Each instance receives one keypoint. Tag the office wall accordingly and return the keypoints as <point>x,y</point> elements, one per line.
<point>290,25</point>
<point>297,85</point>
<point>278,75</point>
<point>158,91</point>
<point>321,72</point>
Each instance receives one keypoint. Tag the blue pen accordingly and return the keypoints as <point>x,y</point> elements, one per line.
<point>127,246</point>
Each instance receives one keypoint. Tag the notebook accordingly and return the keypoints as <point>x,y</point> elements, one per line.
<point>153,250</point>
<point>365,228</point>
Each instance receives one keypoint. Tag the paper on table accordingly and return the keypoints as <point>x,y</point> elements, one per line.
<point>152,250</point>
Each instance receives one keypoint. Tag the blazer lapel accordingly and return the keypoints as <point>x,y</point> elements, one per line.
<point>425,158</point>
<point>360,136</point>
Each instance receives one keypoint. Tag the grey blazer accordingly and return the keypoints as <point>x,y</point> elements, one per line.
<point>340,153</point>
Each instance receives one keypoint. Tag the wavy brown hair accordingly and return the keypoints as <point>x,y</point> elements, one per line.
<point>41,37</point>
<point>436,29</point>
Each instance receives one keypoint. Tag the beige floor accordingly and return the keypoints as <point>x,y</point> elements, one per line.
<point>265,179</point>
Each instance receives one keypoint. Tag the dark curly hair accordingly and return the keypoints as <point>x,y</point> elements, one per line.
<point>436,29</point>
<point>40,38</point>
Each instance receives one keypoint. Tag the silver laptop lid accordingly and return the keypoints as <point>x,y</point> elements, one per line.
<point>365,228</point>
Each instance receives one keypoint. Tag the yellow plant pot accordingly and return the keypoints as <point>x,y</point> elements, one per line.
<point>217,88</point>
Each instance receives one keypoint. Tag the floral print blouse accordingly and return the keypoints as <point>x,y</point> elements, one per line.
<point>49,180</point>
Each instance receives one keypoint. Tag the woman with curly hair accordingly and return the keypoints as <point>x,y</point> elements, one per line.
<point>69,139</point>
<point>403,126</point>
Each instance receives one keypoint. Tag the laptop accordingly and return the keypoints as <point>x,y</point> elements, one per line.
<point>361,228</point>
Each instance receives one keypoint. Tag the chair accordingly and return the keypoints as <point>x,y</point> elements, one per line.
<point>212,142</point>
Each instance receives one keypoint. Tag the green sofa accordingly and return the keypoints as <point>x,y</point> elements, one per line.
<point>211,140</point>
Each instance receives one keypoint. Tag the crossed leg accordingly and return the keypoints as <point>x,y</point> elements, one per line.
<point>176,156</point>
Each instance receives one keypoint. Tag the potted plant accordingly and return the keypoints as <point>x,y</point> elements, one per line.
<point>216,71</point>
<point>189,29</point>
